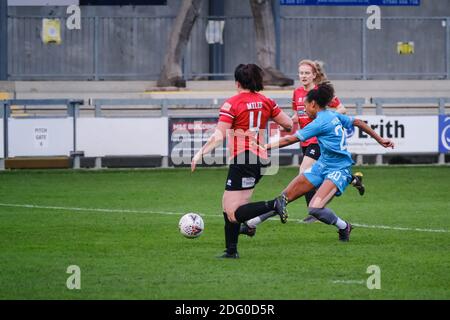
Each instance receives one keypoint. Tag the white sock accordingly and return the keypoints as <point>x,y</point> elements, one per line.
<point>341,224</point>
<point>252,223</point>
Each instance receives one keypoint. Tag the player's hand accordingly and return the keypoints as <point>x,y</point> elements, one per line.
<point>387,143</point>
<point>195,160</point>
<point>256,145</point>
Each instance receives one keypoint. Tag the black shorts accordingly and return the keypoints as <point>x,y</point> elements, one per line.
<point>312,151</point>
<point>244,176</point>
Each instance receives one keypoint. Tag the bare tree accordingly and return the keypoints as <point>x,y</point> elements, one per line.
<point>171,73</point>
<point>265,43</point>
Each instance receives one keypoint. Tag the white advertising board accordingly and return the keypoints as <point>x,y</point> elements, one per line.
<point>2,150</point>
<point>411,134</point>
<point>99,137</point>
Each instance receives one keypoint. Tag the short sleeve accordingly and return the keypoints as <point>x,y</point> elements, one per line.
<point>226,113</point>
<point>335,102</point>
<point>274,109</point>
<point>313,129</point>
<point>346,121</point>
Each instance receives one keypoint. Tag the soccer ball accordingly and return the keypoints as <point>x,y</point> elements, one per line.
<point>191,225</point>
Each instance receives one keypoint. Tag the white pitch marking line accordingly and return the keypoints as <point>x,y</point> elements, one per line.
<point>348,281</point>
<point>32,206</point>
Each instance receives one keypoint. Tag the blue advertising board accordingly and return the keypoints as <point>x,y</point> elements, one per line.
<point>444,133</point>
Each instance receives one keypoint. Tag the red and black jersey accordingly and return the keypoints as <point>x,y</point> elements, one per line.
<point>248,112</point>
<point>299,107</point>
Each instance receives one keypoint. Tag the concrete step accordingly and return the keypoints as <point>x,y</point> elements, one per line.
<point>211,89</point>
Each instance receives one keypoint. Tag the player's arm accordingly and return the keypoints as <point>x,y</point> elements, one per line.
<point>341,109</point>
<point>283,142</point>
<point>337,105</point>
<point>294,119</point>
<point>294,116</point>
<point>283,120</point>
<point>213,142</point>
<point>311,130</point>
<point>364,127</point>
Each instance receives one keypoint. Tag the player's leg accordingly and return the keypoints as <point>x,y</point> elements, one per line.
<point>307,163</point>
<point>249,227</point>
<point>241,181</point>
<point>231,200</point>
<point>357,179</point>
<point>256,212</point>
<point>249,211</point>
<point>317,208</point>
<point>298,187</point>
<point>246,177</point>
<point>263,210</point>
<point>311,154</point>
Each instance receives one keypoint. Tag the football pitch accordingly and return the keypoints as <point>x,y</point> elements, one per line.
<point>120,227</point>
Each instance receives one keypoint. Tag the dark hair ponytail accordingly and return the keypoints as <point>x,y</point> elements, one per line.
<point>250,76</point>
<point>322,95</point>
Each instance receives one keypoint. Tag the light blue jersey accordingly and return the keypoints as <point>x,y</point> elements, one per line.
<point>328,127</point>
<point>335,161</point>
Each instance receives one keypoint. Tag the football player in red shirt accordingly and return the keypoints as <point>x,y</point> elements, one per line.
<point>311,74</point>
<point>243,118</point>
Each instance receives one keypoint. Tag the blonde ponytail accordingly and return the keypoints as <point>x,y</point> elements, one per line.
<point>321,75</point>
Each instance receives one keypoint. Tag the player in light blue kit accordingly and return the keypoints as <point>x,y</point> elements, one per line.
<point>330,174</point>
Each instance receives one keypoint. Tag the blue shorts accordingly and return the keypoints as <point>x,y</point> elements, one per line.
<point>318,173</point>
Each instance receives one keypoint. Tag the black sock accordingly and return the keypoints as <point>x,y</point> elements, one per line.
<point>231,234</point>
<point>250,210</point>
<point>309,195</point>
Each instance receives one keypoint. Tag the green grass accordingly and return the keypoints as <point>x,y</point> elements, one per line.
<point>141,255</point>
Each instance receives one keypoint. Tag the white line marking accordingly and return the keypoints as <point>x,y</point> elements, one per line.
<point>32,206</point>
<point>361,225</point>
<point>348,281</point>
<point>399,228</point>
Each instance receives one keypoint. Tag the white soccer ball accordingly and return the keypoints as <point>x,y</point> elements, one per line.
<point>191,225</point>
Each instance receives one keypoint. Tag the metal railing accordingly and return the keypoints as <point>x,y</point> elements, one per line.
<point>72,110</point>
<point>133,47</point>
